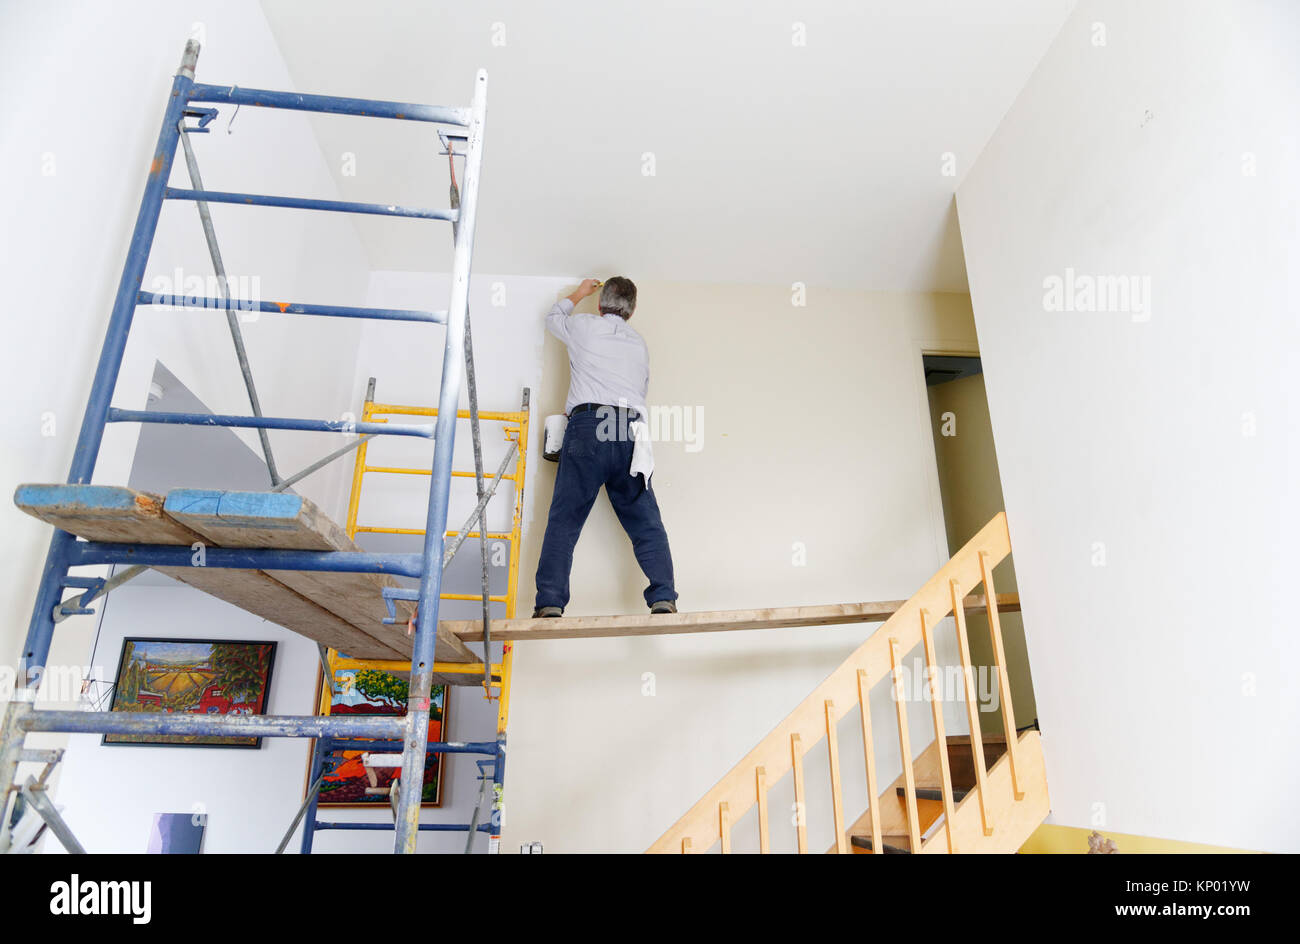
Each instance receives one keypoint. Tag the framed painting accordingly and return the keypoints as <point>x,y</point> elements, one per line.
<point>347,782</point>
<point>199,676</point>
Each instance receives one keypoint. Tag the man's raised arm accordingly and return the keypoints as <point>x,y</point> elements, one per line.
<point>556,319</point>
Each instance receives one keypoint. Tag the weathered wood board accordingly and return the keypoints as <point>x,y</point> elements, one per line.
<point>281,520</point>
<point>667,624</point>
<point>112,513</point>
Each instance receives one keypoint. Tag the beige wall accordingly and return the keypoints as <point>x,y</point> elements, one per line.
<point>815,431</point>
<point>972,494</point>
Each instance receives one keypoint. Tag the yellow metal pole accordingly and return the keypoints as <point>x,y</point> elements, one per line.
<point>512,578</point>
<point>326,693</point>
<point>361,529</point>
<point>400,470</point>
<point>354,502</point>
<point>397,665</point>
<point>358,470</point>
<point>395,409</point>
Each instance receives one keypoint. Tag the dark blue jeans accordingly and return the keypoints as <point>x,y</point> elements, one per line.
<point>586,463</point>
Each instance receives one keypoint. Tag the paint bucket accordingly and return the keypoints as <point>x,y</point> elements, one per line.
<point>553,437</point>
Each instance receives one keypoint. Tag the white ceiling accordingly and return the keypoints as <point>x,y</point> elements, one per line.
<point>774,162</point>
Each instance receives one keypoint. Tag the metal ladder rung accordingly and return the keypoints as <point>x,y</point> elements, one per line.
<point>331,104</point>
<point>290,308</point>
<point>309,203</point>
<point>423,430</point>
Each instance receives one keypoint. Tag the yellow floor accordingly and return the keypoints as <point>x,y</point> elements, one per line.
<point>1049,839</point>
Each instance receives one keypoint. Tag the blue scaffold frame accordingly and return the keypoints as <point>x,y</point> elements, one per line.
<point>67,551</point>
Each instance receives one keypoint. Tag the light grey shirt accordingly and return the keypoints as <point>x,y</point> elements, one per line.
<point>608,361</point>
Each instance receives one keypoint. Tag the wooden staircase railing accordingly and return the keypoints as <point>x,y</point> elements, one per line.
<point>1004,805</point>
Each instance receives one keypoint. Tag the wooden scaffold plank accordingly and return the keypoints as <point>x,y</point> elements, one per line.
<point>285,521</point>
<point>121,515</point>
<point>667,624</point>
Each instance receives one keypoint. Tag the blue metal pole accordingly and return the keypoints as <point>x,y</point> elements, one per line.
<point>309,822</point>
<point>489,748</point>
<point>158,722</point>
<point>331,104</point>
<point>423,430</point>
<point>85,553</point>
<point>291,308</point>
<point>498,783</point>
<point>308,203</point>
<point>453,368</point>
<point>41,629</point>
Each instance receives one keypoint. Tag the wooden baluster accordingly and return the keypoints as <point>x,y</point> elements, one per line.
<point>724,826</point>
<point>905,747</point>
<point>837,802</point>
<point>801,825</point>
<point>940,737</point>
<point>873,790</point>
<point>972,706</point>
<point>686,845</point>
<point>760,785</point>
<point>1000,660</point>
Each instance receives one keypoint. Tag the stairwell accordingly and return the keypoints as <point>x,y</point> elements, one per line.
<point>980,794</point>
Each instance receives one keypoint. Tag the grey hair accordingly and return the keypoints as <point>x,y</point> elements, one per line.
<point>618,297</point>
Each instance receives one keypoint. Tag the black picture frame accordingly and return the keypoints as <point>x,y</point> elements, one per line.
<point>188,681</point>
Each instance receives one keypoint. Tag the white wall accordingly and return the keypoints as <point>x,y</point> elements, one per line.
<point>85,85</point>
<point>406,361</point>
<point>815,431</point>
<point>1164,439</point>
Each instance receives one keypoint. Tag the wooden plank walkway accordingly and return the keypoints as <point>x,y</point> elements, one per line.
<point>667,624</point>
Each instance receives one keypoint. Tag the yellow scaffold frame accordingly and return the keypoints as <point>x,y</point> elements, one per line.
<point>515,429</point>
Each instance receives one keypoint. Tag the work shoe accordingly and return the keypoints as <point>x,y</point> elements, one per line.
<point>663,606</point>
<point>547,612</point>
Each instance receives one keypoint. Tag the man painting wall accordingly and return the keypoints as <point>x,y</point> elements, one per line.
<point>606,443</point>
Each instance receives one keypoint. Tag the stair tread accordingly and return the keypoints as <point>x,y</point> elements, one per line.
<point>934,792</point>
<point>985,739</point>
<point>893,843</point>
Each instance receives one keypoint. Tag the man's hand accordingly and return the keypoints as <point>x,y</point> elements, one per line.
<point>587,287</point>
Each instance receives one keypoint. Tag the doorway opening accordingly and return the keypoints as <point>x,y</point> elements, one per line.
<point>971,491</point>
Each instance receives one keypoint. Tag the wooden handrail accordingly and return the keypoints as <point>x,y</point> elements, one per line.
<point>783,749</point>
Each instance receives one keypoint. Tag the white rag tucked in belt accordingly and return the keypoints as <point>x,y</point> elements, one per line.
<point>643,459</point>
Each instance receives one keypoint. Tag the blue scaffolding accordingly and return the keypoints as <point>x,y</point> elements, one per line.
<point>66,551</point>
